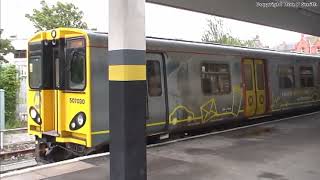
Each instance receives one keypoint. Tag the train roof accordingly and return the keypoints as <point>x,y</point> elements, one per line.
<point>167,44</point>
<point>178,45</point>
<point>207,47</point>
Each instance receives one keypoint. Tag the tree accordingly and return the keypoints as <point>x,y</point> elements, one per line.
<point>5,48</point>
<point>216,33</point>
<point>59,15</point>
<point>9,82</point>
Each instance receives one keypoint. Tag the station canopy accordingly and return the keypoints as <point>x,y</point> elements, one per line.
<point>299,15</point>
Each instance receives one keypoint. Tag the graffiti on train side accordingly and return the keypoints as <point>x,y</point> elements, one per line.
<point>208,110</point>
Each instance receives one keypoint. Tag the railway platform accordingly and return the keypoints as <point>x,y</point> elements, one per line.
<point>284,150</point>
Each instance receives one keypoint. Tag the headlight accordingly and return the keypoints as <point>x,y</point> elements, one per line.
<point>80,120</point>
<point>38,120</point>
<point>73,125</point>
<point>33,113</point>
<point>35,116</point>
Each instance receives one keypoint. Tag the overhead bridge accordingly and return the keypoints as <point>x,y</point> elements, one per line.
<point>296,15</point>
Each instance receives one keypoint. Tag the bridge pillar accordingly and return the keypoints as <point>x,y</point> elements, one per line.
<point>127,89</point>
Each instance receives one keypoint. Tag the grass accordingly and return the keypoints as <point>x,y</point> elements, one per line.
<point>16,124</point>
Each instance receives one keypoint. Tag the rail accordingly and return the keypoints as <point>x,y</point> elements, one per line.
<point>13,130</point>
<point>3,131</point>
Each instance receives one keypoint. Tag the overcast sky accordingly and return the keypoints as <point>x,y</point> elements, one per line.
<point>161,21</point>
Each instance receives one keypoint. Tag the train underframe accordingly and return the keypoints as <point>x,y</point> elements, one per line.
<point>47,150</point>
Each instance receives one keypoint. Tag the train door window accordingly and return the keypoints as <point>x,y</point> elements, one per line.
<point>318,73</point>
<point>57,67</point>
<point>306,76</point>
<point>248,77</point>
<point>215,78</point>
<point>260,76</point>
<point>76,60</point>
<point>286,77</point>
<point>35,72</point>
<point>154,78</point>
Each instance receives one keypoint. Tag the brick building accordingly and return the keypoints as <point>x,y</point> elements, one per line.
<point>308,45</point>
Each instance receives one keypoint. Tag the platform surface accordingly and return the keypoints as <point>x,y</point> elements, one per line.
<point>286,150</point>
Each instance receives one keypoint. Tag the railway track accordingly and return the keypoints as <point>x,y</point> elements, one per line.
<point>17,150</point>
<point>17,159</point>
<point>189,136</point>
<point>16,153</point>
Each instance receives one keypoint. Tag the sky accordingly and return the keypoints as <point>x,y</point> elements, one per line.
<point>161,21</point>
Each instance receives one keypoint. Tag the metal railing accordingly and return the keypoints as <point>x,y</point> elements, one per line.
<point>3,130</point>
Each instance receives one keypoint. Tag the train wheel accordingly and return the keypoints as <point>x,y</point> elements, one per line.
<point>58,154</point>
<point>40,152</point>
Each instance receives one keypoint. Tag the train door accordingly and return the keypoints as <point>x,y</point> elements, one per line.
<point>51,99</point>
<point>254,87</point>
<point>260,82</point>
<point>318,74</point>
<point>156,104</point>
<point>47,90</point>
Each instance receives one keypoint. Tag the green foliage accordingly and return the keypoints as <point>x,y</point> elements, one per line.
<point>5,48</point>
<point>9,82</point>
<point>16,124</point>
<point>59,15</point>
<point>216,33</point>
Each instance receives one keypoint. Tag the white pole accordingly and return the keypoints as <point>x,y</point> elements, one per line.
<point>1,139</point>
<point>2,118</point>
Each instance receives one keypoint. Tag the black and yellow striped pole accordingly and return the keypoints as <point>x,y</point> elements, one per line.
<point>127,89</point>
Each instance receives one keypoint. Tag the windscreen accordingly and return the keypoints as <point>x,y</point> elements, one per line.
<point>35,72</point>
<point>76,61</point>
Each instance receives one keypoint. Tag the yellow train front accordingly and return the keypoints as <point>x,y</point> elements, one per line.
<point>61,101</point>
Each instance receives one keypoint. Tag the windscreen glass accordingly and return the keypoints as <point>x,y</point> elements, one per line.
<point>76,61</point>
<point>35,72</point>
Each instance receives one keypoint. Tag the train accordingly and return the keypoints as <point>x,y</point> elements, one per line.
<point>190,85</point>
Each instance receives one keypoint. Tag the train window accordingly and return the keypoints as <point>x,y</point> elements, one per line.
<point>286,77</point>
<point>248,77</point>
<point>260,76</point>
<point>215,78</point>
<point>76,61</point>
<point>35,72</point>
<point>306,76</point>
<point>154,78</point>
<point>77,71</point>
<point>57,67</point>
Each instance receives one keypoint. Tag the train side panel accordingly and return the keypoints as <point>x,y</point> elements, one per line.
<point>294,83</point>
<point>198,96</point>
<point>100,95</point>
